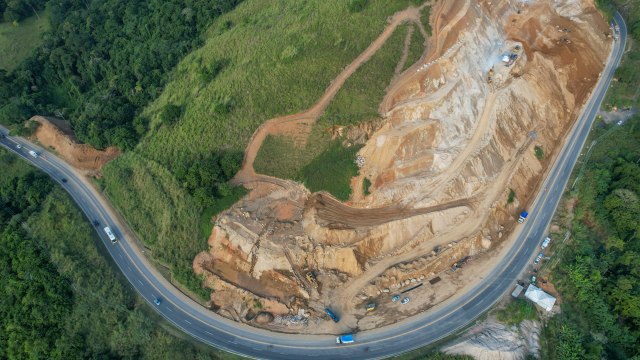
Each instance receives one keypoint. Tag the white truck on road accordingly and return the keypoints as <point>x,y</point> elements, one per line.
<point>33,153</point>
<point>109,233</point>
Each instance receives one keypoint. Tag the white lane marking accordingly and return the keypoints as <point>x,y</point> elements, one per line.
<point>129,268</point>
<point>187,321</point>
<point>170,309</point>
<point>141,283</point>
<point>208,333</point>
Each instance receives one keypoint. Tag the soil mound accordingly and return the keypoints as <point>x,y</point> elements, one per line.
<point>56,134</point>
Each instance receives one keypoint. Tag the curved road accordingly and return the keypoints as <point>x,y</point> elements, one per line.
<point>417,331</point>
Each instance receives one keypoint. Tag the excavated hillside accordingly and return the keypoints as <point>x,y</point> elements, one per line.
<point>57,135</point>
<point>497,79</point>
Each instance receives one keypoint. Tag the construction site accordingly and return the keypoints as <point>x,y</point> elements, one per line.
<point>451,167</point>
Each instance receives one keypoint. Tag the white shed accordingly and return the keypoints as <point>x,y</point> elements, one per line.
<point>540,297</point>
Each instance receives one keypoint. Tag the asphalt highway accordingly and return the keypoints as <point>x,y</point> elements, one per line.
<point>409,334</point>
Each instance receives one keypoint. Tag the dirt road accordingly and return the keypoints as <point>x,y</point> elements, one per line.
<point>308,117</point>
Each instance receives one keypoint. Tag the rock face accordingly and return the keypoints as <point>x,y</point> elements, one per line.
<point>459,132</point>
<point>493,340</point>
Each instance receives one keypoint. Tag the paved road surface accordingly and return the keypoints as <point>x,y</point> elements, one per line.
<point>409,334</point>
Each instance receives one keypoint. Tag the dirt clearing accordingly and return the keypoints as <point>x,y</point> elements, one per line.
<point>459,131</point>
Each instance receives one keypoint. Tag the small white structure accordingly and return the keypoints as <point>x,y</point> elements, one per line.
<point>505,59</point>
<point>540,297</point>
<point>516,292</point>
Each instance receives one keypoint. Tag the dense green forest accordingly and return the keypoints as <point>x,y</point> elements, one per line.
<point>102,62</point>
<point>60,298</point>
<point>598,275</point>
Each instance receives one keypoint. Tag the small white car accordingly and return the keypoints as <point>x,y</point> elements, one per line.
<point>538,258</point>
<point>546,242</point>
<point>19,146</point>
<point>404,301</point>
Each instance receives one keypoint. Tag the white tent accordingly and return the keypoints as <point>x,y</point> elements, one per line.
<point>540,297</point>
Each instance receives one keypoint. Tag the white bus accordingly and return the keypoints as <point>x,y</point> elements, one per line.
<point>112,237</point>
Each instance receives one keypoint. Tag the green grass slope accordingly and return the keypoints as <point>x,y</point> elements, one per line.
<point>261,60</point>
<point>356,102</point>
<point>18,41</point>
<point>270,58</point>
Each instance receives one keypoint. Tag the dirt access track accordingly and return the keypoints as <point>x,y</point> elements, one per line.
<point>458,135</point>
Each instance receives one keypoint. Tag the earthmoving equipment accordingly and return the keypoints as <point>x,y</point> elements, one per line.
<point>331,315</point>
<point>312,279</point>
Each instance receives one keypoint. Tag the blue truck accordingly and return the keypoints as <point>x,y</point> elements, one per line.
<point>523,216</point>
<point>331,315</point>
<point>345,339</point>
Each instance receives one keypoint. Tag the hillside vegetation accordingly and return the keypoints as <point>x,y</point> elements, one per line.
<point>19,40</point>
<point>263,59</point>
<point>103,62</point>
<point>60,298</point>
<point>356,102</point>
<point>598,273</point>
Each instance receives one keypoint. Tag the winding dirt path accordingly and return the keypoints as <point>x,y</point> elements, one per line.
<point>436,42</point>
<point>308,117</point>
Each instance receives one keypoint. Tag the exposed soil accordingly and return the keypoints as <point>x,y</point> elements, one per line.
<point>56,134</point>
<point>458,133</point>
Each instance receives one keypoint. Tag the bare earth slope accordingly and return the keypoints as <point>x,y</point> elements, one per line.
<point>459,132</point>
<point>57,134</point>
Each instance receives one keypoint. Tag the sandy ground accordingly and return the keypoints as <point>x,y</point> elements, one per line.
<point>458,133</point>
<point>57,135</point>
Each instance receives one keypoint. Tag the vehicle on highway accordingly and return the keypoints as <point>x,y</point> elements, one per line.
<point>96,223</point>
<point>64,180</point>
<point>538,258</point>
<point>33,153</point>
<point>546,242</point>
<point>19,146</point>
<point>331,315</point>
<point>523,216</point>
<point>404,301</point>
<point>345,339</point>
<point>109,233</point>
<point>395,298</point>
<point>157,301</point>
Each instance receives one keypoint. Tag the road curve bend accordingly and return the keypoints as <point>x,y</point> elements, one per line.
<point>417,331</point>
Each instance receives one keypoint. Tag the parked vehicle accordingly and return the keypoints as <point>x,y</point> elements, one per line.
<point>345,339</point>
<point>371,306</point>
<point>395,298</point>
<point>523,216</point>
<point>538,258</point>
<point>404,301</point>
<point>533,279</point>
<point>546,242</point>
<point>331,315</point>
